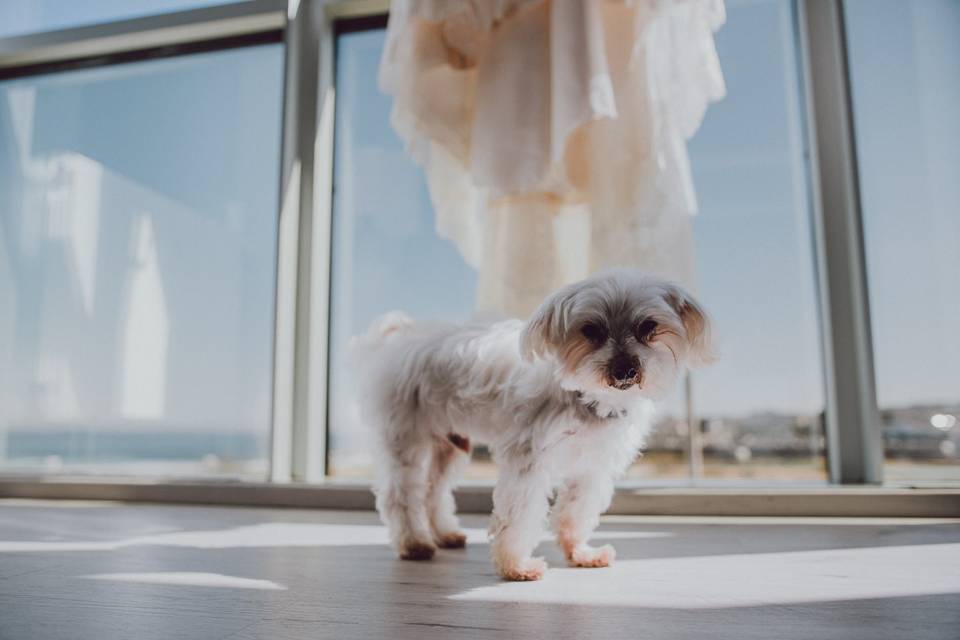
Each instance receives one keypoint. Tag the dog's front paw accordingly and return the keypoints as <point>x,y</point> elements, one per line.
<point>525,570</point>
<point>416,550</point>
<point>586,556</point>
<point>452,540</point>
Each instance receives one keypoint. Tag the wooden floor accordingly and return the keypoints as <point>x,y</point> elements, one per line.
<point>77,570</point>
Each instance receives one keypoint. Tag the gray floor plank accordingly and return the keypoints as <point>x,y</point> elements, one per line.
<point>110,570</point>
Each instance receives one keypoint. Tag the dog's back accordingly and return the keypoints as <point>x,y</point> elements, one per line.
<point>429,375</point>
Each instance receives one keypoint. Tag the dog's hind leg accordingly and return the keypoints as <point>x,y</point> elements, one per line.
<point>402,499</point>
<point>449,457</point>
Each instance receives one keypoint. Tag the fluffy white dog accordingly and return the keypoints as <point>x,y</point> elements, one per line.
<point>564,402</point>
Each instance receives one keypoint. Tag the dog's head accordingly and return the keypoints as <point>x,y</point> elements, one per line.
<point>620,331</point>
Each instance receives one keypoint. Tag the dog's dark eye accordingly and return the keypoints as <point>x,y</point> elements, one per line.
<point>646,330</point>
<point>594,333</point>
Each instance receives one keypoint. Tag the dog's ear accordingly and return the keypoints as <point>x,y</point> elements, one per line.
<point>547,328</point>
<point>696,325</point>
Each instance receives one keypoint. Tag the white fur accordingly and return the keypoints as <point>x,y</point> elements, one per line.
<point>558,428</point>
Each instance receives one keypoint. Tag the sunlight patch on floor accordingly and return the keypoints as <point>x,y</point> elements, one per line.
<point>189,579</point>
<point>743,580</point>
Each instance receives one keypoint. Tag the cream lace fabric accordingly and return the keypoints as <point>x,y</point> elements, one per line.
<point>553,132</point>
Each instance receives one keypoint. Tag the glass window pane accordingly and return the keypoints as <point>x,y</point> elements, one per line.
<point>20,17</point>
<point>760,416</point>
<point>386,253</point>
<point>760,405</point>
<point>904,62</point>
<point>137,247</point>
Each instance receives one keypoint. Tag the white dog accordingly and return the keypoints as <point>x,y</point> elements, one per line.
<point>564,402</point>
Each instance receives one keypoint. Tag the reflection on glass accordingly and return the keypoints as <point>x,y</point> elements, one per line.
<point>146,327</point>
<point>758,410</point>
<point>904,58</point>
<point>20,17</point>
<point>137,248</point>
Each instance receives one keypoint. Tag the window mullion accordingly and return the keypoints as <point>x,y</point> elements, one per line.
<point>855,449</point>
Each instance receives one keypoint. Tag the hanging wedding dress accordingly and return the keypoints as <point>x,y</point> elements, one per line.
<point>553,132</point>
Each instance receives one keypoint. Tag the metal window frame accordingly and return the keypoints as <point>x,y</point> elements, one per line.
<point>854,436</point>
<point>161,35</point>
<point>299,417</point>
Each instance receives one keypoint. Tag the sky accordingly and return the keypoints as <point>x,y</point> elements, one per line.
<point>185,152</point>
<point>905,66</point>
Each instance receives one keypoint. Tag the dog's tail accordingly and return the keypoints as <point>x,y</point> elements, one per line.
<point>389,325</point>
<point>382,332</point>
<point>383,329</point>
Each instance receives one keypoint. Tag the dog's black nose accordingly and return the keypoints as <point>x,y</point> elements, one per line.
<point>625,368</point>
